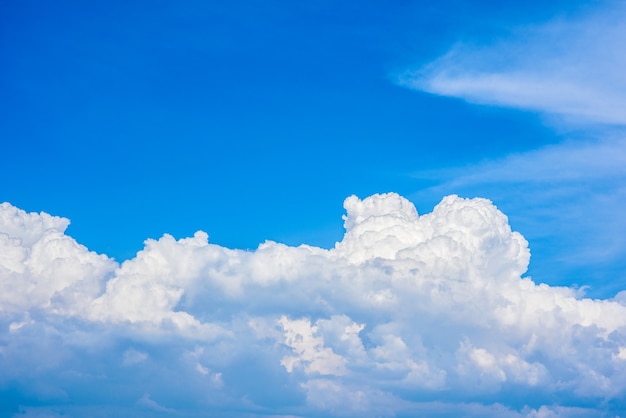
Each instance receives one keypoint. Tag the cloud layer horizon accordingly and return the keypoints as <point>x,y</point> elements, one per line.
<point>407,314</point>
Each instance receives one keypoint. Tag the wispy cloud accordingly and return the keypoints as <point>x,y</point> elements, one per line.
<point>404,308</point>
<point>572,68</point>
<point>565,162</point>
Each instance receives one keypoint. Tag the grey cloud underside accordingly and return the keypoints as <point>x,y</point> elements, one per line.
<point>407,313</point>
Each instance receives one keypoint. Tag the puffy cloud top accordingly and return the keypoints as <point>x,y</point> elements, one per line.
<point>407,314</point>
<point>41,267</point>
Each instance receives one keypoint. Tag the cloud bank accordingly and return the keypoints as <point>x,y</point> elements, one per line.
<point>408,314</point>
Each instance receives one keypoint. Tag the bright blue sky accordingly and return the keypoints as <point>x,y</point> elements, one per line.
<point>249,120</point>
<point>254,121</point>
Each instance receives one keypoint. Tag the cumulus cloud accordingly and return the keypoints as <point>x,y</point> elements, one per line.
<point>42,267</point>
<point>407,314</point>
<point>561,196</point>
<point>569,67</point>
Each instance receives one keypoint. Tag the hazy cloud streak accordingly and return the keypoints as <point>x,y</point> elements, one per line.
<point>572,68</point>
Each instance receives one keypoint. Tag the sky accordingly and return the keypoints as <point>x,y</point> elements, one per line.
<point>312,209</point>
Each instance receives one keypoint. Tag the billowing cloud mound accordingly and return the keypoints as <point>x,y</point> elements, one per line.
<point>408,314</point>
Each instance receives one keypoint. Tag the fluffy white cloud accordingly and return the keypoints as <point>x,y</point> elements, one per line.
<point>41,267</point>
<point>573,187</point>
<point>407,314</point>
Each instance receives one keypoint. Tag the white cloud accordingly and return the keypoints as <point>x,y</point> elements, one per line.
<point>309,349</point>
<point>405,308</point>
<point>132,357</point>
<point>569,70</point>
<point>146,402</point>
<point>41,267</point>
<point>566,67</point>
<point>565,162</point>
<point>561,195</point>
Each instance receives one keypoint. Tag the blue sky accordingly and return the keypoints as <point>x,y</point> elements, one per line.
<point>254,121</point>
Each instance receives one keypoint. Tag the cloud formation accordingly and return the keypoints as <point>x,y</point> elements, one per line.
<point>569,70</point>
<point>561,196</point>
<point>406,315</point>
<point>568,67</point>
